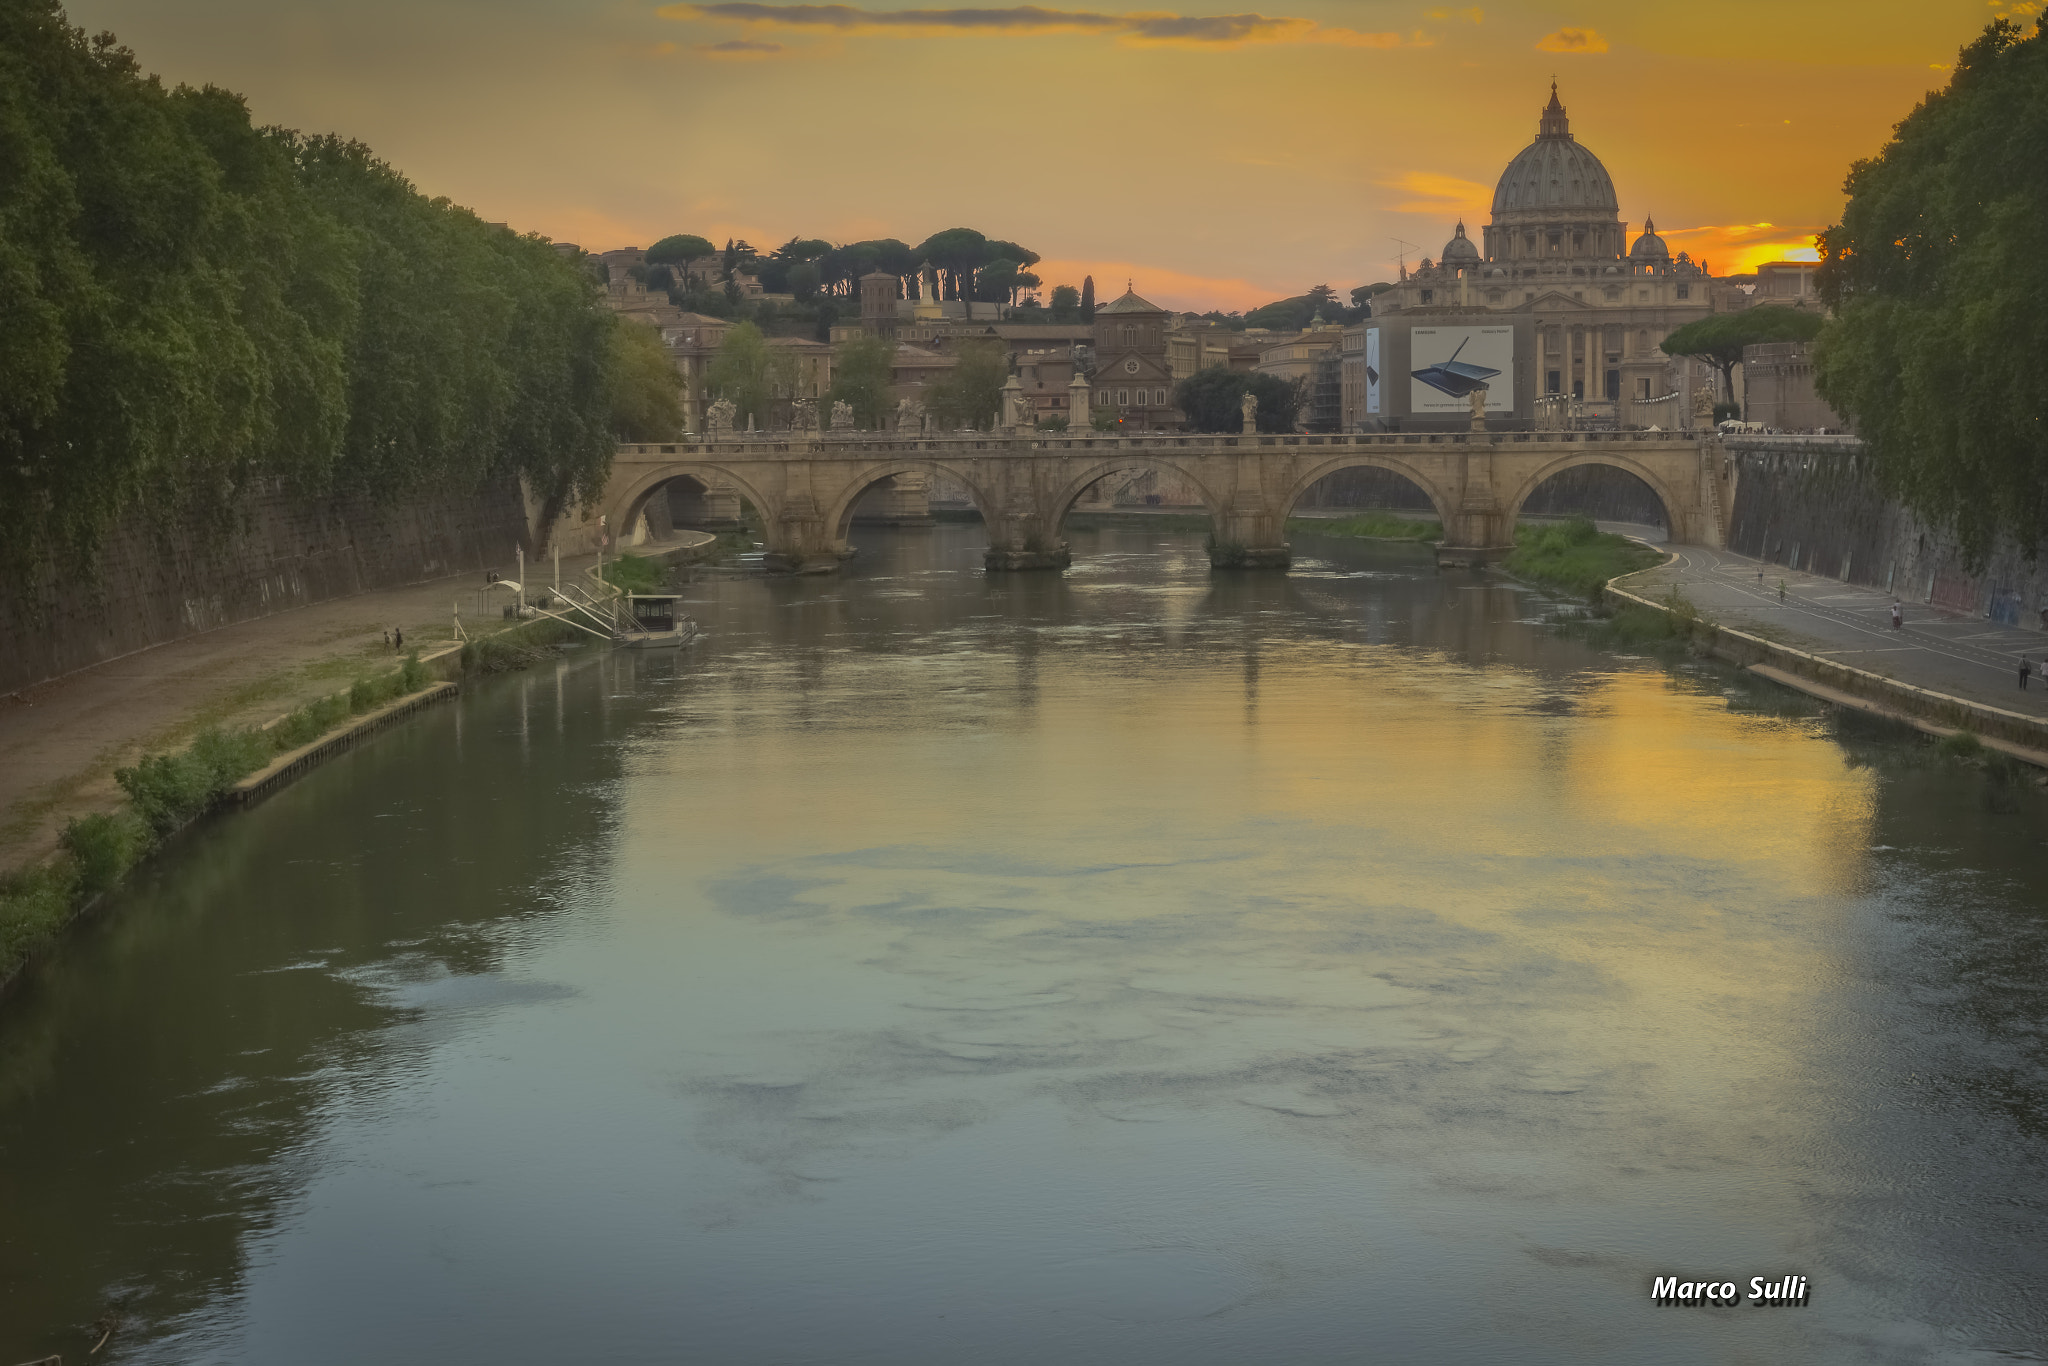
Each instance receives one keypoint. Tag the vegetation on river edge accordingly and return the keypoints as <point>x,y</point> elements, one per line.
<point>165,793</point>
<point>1575,556</point>
<point>1369,526</point>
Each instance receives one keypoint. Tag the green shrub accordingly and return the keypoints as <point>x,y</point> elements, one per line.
<point>636,574</point>
<point>33,906</point>
<point>1575,555</point>
<point>309,723</point>
<point>1963,744</point>
<point>168,790</point>
<point>102,848</point>
<point>412,675</point>
<point>1371,526</point>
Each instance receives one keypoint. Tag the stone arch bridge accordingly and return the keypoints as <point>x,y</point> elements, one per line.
<point>804,487</point>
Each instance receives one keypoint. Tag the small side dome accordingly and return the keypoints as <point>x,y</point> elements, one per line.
<point>1460,251</point>
<point>1649,247</point>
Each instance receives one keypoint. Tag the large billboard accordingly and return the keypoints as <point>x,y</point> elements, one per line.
<point>1372,370</point>
<point>1448,363</point>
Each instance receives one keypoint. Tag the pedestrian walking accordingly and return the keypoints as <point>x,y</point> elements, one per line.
<point>1898,616</point>
<point>387,640</point>
<point>1781,590</point>
<point>397,638</point>
<point>2026,671</point>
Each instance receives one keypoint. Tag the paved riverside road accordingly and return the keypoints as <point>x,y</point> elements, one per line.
<point>61,740</point>
<point>1967,657</point>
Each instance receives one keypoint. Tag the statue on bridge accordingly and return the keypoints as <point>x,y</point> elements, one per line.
<point>1250,405</point>
<point>906,417</point>
<point>1477,398</point>
<point>842,415</point>
<point>719,416</point>
<point>803,415</point>
<point>1703,405</point>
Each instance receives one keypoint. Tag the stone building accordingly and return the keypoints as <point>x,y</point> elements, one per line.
<point>1133,381</point>
<point>1778,393</point>
<point>1203,344</point>
<point>1557,250</point>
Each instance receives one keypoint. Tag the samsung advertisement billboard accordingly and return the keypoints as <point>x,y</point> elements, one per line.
<point>1446,364</point>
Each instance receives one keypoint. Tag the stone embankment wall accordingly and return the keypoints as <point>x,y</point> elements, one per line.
<point>160,579</point>
<point>1812,505</point>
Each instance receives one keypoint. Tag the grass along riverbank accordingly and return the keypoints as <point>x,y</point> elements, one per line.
<point>1369,526</point>
<point>1575,556</point>
<point>165,793</point>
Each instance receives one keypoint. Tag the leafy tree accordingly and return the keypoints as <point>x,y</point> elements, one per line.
<point>1066,303</point>
<point>1213,400</point>
<point>750,373</point>
<point>1936,274</point>
<point>189,304</point>
<point>647,400</point>
<point>971,393</point>
<point>997,282</point>
<point>958,253</point>
<point>1088,299</point>
<point>1321,299</point>
<point>1719,338</point>
<point>862,372</point>
<point>679,250</point>
<point>803,280</point>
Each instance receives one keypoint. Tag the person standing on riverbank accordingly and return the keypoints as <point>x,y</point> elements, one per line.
<point>2026,671</point>
<point>1898,616</point>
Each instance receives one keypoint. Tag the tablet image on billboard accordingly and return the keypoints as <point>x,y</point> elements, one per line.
<point>1450,362</point>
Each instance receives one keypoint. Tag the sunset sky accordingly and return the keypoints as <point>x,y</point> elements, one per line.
<point>1221,157</point>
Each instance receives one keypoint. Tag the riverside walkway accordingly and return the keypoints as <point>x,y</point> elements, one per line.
<point>1966,657</point>
<point>61,740</point>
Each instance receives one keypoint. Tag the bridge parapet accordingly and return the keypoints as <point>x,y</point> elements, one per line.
<point>770,445</point>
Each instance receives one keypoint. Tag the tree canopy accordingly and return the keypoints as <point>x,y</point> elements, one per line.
<point>189,304</point>
<point>1719,338</point>
<point>1935,275</point>
<point>647,401</point>
<point>861,373</point>
<point>753,374</point>
<point>1213,400</point>
<point>679,250</point>
<point>971,393</point>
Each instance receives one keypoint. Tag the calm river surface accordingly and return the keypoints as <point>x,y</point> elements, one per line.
<point>1123,967</point>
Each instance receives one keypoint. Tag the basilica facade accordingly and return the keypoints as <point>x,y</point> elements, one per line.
<point>1557,259</point>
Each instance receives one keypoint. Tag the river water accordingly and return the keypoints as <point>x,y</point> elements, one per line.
<point>1128,966</point>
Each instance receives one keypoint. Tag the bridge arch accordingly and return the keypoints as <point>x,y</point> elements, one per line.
<point>1666,496</point>
<point>1363,460</point>
<point>839,516</point>
<point>1070,492</point>
<point>625,507</point>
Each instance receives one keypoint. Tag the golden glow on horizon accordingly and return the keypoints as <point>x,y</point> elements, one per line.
<point>1223,159</point>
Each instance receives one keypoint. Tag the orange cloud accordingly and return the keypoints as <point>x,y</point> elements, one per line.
<point>1572,40</point>
<point>1146,29</point>
<point>1441,196</point>
<point>1739,248</point>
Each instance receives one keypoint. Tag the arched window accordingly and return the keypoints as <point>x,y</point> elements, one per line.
<point>1130,335</point>
<point>1123,398</point>
<point>1159,397</point>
